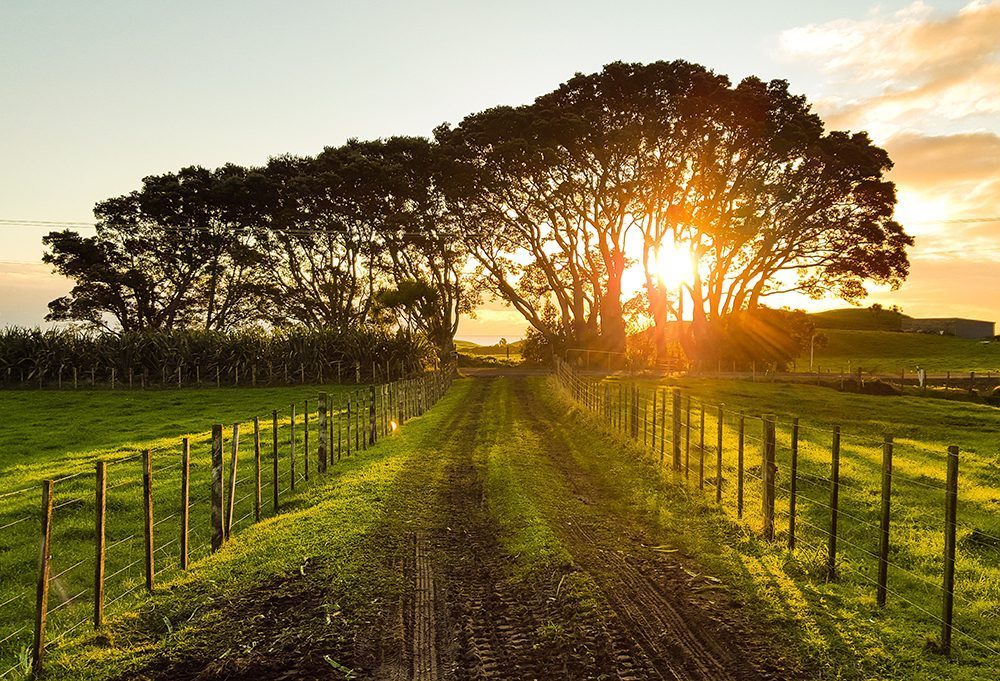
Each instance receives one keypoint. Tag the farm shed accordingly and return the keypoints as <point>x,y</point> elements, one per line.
<point>950,326</point>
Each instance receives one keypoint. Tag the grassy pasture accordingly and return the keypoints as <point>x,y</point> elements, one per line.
<point>835,623</point>
<point>900,638</point>
<point>889,351</point>
<point>61,434</point>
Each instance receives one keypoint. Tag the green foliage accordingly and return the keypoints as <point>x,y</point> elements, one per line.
<point>32,354</point>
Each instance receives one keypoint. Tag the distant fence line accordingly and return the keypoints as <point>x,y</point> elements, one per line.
<point>198,376</point>
<point>662,422</point>
<point>970,381</point>
<point>104,524</point>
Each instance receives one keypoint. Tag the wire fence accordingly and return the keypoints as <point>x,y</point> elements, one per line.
<point>111,534</point>
<point>883,519</point>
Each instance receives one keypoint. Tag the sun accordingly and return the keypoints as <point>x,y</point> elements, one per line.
<point>674,264</point>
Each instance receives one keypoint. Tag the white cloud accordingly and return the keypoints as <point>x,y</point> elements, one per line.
<point>903,68</point>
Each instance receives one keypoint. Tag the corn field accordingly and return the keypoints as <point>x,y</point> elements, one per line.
<point>73,358</point>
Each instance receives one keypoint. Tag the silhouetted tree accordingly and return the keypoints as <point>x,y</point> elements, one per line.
<point>170,255</point>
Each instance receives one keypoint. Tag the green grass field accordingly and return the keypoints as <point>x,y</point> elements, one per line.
<point>888,351</point>
<point>900,637</point>
<point>61,434</point>
<point>518,435</point>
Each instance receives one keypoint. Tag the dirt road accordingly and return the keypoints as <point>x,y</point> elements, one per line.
<point>509,472</point>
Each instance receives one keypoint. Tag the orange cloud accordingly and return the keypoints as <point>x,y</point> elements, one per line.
<point>907,66</point>
<point>959,173</point>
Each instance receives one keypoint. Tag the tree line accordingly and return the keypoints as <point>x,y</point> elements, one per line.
<point>546,206</point>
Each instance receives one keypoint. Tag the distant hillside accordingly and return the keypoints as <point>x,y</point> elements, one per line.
<point>888,352</point>
<point>859,319</point>
<point>497,349</point>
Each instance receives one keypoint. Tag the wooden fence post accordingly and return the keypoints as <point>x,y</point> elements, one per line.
<point>701,449</point>
<point>950,519</point>
<point>740,439</point>
<point>362,411</point>
<point>883,545</point>
<point>231,492</point>
<point>767,471</point>
<point>372,422</point>
<point>793,489</point>
<point>185,500</point>
<point>305,439</point>
<point>218,533</point>
<point>676,414</point>
<point>323,435</point>
<point>349,426</point>
<point>291,439</point>
<point>42,588</point>
<point>687,439</point>
<point>635,412</point>
<point>718,457</point>
<point>147,497</point>
<point>652,440</point>
<point>274,457</point>
<point>831,558</point>
<point>645,418</point>
<point>256,469</point>
<point>100,525</point>
<point>663,427</point>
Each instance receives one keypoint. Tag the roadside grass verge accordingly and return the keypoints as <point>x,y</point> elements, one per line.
<point>115,427</point>
<point>839,621</point>
<point>323,539</point>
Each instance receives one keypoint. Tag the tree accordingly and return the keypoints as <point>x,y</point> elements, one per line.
<point>552,196</point>
<point>361,224</point>
<point>170,255</point>
<point>116,287</point>
<point>519,213</point>
<point>318,245</point>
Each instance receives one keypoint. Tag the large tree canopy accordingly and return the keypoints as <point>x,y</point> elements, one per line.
<point>565,208</point>
<point>556,197</point>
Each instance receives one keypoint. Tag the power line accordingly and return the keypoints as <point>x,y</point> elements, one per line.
<point>952,222</point>
<point>295,231</point>
<point>45,223</point>
<point>88,223</point>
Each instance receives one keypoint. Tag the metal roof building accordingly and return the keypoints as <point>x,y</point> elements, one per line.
<point>951,326</point>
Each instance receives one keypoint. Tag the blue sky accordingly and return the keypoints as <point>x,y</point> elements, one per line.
<point>97,95</point>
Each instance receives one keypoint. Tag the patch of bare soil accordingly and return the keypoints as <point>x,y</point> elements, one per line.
<point>291,629</point>
<point>678,624</point>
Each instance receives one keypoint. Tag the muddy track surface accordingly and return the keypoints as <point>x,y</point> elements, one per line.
<point>457,614</point>
<point>679,636</point>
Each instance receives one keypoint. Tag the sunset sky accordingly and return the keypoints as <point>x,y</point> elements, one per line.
<point>97,95</point>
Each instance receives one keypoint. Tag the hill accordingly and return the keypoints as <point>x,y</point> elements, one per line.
<point>890,351</point>
<point>859,319</point>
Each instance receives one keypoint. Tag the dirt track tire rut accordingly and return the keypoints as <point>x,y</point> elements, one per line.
<point>652,606</point>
